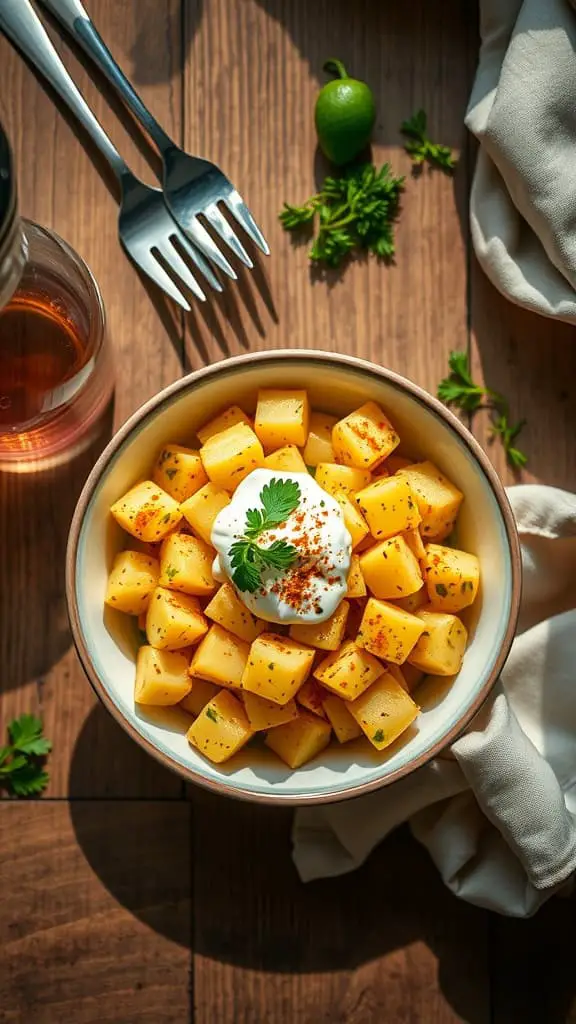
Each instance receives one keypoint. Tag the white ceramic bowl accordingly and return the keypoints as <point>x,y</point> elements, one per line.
<point>107,641</point>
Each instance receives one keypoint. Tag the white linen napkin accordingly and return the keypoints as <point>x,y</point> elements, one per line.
<point>497,811</point>
<point>523,113</point>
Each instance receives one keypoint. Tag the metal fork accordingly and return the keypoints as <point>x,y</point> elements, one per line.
<point>192,186</point>
<point>145,226</point>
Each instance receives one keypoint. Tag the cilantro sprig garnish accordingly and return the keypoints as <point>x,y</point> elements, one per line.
<point>21,770</point>
<point>355,210</point>
<point>279,499</point>
<point>459,389</point>
<point>421,148</point>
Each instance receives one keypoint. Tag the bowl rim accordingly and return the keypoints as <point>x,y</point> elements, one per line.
<point>224,786</point>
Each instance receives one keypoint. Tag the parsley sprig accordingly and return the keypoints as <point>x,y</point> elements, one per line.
<point>355,210</point>
<point>421,148</point>
<point>21,771</point>
<point>279,499</point>
<point>459,389</point>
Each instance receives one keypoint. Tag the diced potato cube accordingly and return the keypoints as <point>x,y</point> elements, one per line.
<point>142,621</point>
<point>310,696</point>
<point>266,714</point>
<point>282,417</point>
<point>229,611</point>
<point>286,460</point>
<point>356,582</point>
<point>131,581</point>
<point>221,729</point>
<point>414,601</point>
<point>186,565</point>
<point>384,711</point>
<point>276,667</point>
<point>397,673</point>
<point>173,620</point>
<point>230,456</point>
<point>179,471</point>
<point>412,676</point>
<point>438,500</point>
<point>220,657</point>
<point>353,519</point>
<point>325,635</point>
<point>345,726</point>
<point>452,577</point>
<point>390,569</point>
<point>318,447</point>
<point>229,418</point>
<point>147,512</point>
<point>348,671</point>
<point>200,695</point>
<point>395,462</point>
<point>441,647</point>
<point>161,677</point>
<point>201,509</point>
<point>389,506</point>
<point>341,479</point>
<point>388,632</point>
<point>414,541</point>
<point>300,740</point>
<point>365,437</point>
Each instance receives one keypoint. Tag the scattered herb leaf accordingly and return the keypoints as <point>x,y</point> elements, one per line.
<point>355,210</point>
<point>420,147</point>
<point>378,736</point>
<point>441,590</point>
<point>459,389</point>
<point>171,571</point>
<point>211,714</point>
<point>279,499</point>
<point>21,771</point>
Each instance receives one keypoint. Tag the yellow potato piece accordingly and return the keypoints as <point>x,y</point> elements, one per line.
<point>161,677</point>
<point>220,657</point>
<point>414,541</point>
<point>390,570</point>
<point>341,479</point>
<point>229,418</point>
<point>179,471</point>
<point>131,581</point>
<point>344,724</point>
<point>438,499</point>
<point>388,631</point>
<point>300,740</point>
<point>414,601</point>
<point>276,667</point>
<point>353,520</point>
<point>286,460</point>
<point>452,577</point>
<point>229,611</point>
<point>282,417</point>
<point>389,507</point>
<point>173,620</point>
<point>384,711</point>
<point>326,636</point>
<point>348,671</point>
<point>146,512</point>
<point>310,696</point>
<point>186,565</point>
<point>356,582</point>
<point>318,447</point>
<point>231,455</point>
<point>200,695</point>
<point>365,437</point>
<point>201,509</point>
<point>221,729</point>
<point>266,714</point>
<point>441,647</point>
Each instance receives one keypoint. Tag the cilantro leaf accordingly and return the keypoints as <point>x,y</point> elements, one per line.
<point>249,560</point>
<point>279,499</point>
<point>21,771</point>
<point>26,736</point>
<point>421,148</point>
<point>245,575</point>
<point>28,779</point>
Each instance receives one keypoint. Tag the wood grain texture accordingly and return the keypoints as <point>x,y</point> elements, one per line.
<point>63,185</point>
<point>95,913</point>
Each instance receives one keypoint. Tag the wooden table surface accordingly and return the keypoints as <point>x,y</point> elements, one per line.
<point>124,897</point>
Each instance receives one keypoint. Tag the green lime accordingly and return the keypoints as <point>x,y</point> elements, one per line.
<point>345,113</point>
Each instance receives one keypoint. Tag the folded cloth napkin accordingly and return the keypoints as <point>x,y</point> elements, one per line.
<point>497,811</point>
<point>523,113</point>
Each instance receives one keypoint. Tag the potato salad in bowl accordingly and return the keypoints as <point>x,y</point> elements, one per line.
<point>293,579</point>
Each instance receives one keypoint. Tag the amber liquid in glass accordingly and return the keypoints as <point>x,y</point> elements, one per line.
<point>39,352</point>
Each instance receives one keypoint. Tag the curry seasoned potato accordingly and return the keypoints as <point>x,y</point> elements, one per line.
<point>221,729</point>
<point>239,676</point>
<point>201,509</point>
<point>146,512</point>
<point>282,417</point>
<point>364,438</point>
<point>228,457</point>
<point>276,667</point>
<point>161,677</point>
<point>131,581</point>
<point>179,471</point>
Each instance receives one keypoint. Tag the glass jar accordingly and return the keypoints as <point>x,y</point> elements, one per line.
<point>55,365</point>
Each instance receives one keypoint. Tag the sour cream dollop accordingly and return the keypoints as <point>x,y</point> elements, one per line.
<point>312,587</point>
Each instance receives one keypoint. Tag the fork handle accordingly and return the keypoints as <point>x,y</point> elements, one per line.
<point>21,24</point>
<point>73,16</point>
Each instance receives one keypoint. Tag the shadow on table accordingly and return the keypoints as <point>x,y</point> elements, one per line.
<point>36,508</point>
